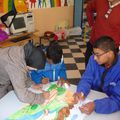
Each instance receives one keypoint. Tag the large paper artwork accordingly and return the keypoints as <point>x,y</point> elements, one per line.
<point>47,110</point>
<point>61,107</point>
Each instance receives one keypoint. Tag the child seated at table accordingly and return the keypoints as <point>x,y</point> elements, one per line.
<point>102,74</point>
<point>55,69</point>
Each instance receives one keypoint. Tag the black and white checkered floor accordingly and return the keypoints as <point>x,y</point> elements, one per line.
<point>73,50</point>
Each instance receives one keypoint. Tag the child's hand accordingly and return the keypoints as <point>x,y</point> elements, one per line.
<point>46,95</point>
<point>37,86</point>
<point>61,82</point>
<point>50,97</point>
<point>87,108</point>
<point>79,97</point>
<point>45,80</point>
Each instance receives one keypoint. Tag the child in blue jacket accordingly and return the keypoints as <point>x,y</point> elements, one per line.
<point>102,74</point>
<point>55,68</point>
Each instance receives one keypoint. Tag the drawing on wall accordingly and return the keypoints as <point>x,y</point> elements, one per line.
<point>65,3</point>
<point>32,3</point>
<point>25,5</point>
<point>39,3</point>
<point>5,6</point>
<point>1,6</point>
<point>44,3</point>
<point>20,5</point>
<point>8,5</point>
<point>49,3</point>
<point>70,2</point>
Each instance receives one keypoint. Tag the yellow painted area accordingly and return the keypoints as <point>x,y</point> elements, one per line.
<point>55,3</point>
<point>1,6</point>
<point>5,6</point>
<point>20,6</point>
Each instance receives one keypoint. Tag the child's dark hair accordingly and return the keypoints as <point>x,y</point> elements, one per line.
<point>105,43</point>
<point>34,56</point>
<point>54,52</point>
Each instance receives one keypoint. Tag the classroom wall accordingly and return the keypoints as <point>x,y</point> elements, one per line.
<point>47,19</point>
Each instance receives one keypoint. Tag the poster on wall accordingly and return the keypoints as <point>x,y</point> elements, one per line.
<point>8,5</point>
<point>1,6</point>
<point>25,5</point>
<point>35,4</point>
<point>20,5</point>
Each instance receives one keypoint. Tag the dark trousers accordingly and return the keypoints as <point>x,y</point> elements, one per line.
<point>88,52</point>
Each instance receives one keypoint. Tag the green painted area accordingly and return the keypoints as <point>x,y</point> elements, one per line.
<point>33,107</point>
<point>60,90</point>
<point>10,5</point>
<point>33,112</point>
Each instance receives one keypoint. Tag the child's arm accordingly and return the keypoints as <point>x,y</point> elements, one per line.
<point>62,73</point>
<point>36,76</point>
<point>62,82</point>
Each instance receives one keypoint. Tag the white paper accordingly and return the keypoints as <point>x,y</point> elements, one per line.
<point>75,113</point>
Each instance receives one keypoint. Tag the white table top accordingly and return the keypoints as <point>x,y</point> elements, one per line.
<point>9,104</point>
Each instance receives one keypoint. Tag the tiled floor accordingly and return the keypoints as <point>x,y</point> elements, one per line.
<point>73,50</point>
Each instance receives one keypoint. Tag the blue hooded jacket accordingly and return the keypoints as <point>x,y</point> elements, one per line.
<point>51,71</point>
<point>91,79</point>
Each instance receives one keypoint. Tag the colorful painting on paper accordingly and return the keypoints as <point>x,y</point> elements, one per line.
<point>50,110</point>
<point>54,109</point>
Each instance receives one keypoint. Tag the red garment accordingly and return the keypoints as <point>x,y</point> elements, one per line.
<point>102,26</point>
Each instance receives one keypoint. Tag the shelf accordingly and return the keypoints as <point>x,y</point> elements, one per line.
<point>8,42</point>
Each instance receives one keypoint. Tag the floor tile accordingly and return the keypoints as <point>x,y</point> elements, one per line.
<point>73,74</point>
<point>71,66</point>
<point>69,60</point>
<point>79,60</point>
<point>80,66</point>
<point>66,51</point>
<point>68,55</point>
<point>75,50</point>
<point>73,53</point>
<point>73,46</point>
<point>78,55</point>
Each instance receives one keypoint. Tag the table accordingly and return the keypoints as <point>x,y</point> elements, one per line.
<point>9,104</point>
<point>25,37</point>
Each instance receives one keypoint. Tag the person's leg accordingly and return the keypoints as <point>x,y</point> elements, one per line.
<point>88,52</point>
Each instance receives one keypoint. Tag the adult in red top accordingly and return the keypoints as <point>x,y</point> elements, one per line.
<point>106,22</point>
